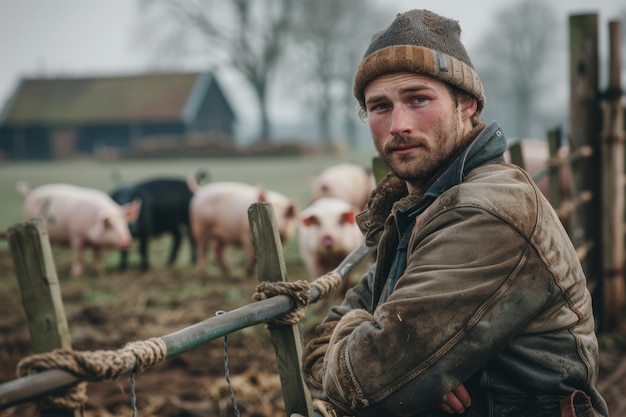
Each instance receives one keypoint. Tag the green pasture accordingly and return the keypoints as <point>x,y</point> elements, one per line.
<point>287,175</point>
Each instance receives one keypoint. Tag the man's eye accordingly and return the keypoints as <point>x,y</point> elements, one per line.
<point>379,106</point>
<point>420,100</point>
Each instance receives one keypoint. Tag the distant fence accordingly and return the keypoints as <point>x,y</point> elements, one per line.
<point>594,216</point>
<point>596,121</point>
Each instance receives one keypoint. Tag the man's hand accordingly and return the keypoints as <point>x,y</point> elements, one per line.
<point>456,401</point>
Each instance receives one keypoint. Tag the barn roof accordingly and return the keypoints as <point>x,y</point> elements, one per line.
<point>143,97</point>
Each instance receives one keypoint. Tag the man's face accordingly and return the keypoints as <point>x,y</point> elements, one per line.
<point>416,125</point>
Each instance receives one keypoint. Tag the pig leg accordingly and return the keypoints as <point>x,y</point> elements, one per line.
<point>201,250</point>
<point>250,261</point>
<point>143,250</point>
<point>219,249</point>
<point>201,238</point>
<point>192,243</point>
<point>176,238</point>
<point>77,262</point>
<point>123,260</point>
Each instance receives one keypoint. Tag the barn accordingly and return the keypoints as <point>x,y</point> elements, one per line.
<point>48,118</point>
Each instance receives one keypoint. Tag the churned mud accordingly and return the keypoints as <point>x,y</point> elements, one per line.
<point>109,311</point>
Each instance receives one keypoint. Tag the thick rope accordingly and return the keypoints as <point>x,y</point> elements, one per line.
<point>93,366</point>
<point>299,292</point>
<point>327,283</point>
<point>324,408</point>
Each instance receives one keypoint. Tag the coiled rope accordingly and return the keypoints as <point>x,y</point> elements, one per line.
<point>93,366</point>
<point>299,292</point>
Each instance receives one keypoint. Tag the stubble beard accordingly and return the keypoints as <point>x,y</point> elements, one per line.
<point>432,158</point>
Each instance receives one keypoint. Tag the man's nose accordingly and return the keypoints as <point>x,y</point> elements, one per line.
<point>400,121</point>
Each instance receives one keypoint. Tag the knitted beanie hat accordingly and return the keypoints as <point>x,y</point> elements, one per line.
<point>423,42</point>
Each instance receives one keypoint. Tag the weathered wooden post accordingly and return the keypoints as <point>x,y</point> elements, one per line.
<point>379,169</point>
<point>41,295</point>
<point>554,167</point>
<point>515,152</point>
<point>288,339</point>
<point>613,186</point>
<point>585,124</point>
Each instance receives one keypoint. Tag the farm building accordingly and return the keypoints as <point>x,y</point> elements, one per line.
<point>49,118</point>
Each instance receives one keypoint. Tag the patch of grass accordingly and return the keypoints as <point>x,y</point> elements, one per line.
<point>98,297</point>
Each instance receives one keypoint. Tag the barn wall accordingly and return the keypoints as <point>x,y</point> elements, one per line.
<point>215,115</point>
<point>31,142</point>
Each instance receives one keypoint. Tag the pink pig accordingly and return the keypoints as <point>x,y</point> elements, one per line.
<point>347,181</point>
<point>81,217</point>
<point>327,233</point>
<point>219,213</point>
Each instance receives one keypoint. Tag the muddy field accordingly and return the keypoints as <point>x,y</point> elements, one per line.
<point>107,312</point>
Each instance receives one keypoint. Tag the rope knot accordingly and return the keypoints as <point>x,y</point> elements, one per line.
<point>93,366</point>
<point>298,292</point>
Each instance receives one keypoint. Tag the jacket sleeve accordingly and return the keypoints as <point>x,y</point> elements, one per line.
<point>472,283</point>
<point>358,297</point>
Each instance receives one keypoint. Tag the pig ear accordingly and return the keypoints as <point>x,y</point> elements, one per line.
<point>262,196</point>
<point>292,211</point>
<point>310,221</point>
<point>105,220</point>
<point>131,210</point>
<point>347,217</point>
<point>106,223</point>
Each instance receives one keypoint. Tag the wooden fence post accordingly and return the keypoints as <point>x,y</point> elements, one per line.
<point>379,169</point>
<point>585,122</point>
<point>554,170</point>
<point>613,187</point>
<point>41,295</point>
<point>287,340</point>
<point>516,154</point>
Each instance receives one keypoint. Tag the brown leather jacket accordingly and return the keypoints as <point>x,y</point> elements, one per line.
<point>490,294</point>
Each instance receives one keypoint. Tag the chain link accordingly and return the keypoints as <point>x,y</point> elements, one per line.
<point>133,397</point>
<point>227,372</point>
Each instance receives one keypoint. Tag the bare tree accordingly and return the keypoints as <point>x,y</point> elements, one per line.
<point>515,55</point>
<point>622,19</point>
<point>330,40</point>
<point>247,36</point>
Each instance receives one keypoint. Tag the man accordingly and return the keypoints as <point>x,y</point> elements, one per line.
<point>477,302</point>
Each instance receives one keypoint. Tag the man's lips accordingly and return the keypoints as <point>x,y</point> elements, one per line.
<point>403,150</point>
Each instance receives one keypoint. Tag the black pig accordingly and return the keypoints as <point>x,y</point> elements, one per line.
<point>164,209</point>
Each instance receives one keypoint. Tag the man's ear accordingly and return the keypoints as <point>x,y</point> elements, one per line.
<point>468,106</point>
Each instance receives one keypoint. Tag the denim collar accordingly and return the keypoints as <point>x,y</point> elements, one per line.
<point>487,148</point>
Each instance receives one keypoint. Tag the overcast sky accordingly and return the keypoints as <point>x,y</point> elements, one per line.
<point>78,37</point>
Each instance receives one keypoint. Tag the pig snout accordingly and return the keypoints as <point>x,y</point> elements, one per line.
<point>124,243</point>
<point>119,237</point>
<point>327,241</point>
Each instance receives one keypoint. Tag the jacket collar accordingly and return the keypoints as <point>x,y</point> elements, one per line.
<point>488,147</point>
